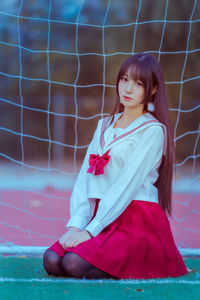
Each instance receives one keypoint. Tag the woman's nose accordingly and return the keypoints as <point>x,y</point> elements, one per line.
<point>129,86</point>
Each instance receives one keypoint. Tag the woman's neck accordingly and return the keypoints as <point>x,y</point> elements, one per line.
<point>128,116</point>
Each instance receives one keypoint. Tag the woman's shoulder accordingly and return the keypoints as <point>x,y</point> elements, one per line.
<point>155,123</point>
<point>156,129</point>
<point>149,116</point>
<point>108,119</point>
<point>109,116</point>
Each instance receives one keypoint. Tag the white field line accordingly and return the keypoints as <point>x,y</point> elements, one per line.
<point>108,281</point>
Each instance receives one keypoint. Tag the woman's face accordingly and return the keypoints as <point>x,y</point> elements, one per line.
<point>131,92</point>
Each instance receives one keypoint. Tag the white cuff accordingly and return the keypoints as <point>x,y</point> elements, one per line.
<point>77,221</point>
<point>94,227</point>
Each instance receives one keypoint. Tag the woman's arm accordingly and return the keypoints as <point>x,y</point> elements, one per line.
<point>146,156</point>
<point>80,210</point>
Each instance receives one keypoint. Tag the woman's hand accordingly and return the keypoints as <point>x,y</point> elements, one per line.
<point>73,239</point>
<point>66,235</point>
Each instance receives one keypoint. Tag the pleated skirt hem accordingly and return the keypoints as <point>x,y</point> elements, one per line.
<point>138,245</point>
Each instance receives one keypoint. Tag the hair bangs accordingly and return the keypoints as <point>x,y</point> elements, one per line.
<point>136,72</point>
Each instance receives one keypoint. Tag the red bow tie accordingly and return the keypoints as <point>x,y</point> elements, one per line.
<point>97,163</point>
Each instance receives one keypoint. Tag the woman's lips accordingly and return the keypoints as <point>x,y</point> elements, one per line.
<point>127,98</point>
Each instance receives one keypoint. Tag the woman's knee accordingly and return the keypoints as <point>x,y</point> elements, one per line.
<point>73,265</point>
<point>52,262</point>
<point>76,266</point>
<point>50,257</point>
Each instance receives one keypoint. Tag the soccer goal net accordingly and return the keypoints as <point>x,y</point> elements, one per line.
<point>58,68</point>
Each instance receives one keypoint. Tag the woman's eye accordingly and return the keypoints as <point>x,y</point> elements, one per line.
<point>139,83</point>
<point>124,79</point>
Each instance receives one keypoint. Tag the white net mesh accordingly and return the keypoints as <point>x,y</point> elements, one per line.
<point>59,62</point>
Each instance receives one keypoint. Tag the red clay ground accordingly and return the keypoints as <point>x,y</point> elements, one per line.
<point>39,218</point>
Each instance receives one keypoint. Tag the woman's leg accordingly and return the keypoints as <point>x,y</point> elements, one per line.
<point>52,263</point>
<point>76,266</point>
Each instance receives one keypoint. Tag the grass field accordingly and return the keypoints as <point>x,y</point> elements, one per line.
<point>24,278</point>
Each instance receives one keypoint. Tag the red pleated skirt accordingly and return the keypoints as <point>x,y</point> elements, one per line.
<point>138,244</point>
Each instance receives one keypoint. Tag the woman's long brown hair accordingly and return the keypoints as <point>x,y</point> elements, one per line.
<point>145,67</point>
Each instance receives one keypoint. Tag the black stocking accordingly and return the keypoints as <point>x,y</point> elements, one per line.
<point>52,263</point>
<point>77,267</point>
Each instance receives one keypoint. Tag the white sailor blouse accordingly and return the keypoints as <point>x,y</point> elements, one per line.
<point>121,165</point>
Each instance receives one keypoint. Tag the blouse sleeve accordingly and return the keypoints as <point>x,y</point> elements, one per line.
<point>80,206</point>
<point>144,158</point>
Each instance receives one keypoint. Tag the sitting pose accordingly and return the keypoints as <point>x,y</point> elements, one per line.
<point>119,226</point>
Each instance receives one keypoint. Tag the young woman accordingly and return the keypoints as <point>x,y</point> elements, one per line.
<point>118,226</point>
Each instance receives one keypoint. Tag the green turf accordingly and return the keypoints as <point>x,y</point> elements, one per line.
<point>19,268</point>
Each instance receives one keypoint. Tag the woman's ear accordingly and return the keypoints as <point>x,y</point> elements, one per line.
<point>154,90</point>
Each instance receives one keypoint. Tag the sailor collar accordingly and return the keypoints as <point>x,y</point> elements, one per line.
<point>97,162</point>
<point>137,125</point>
